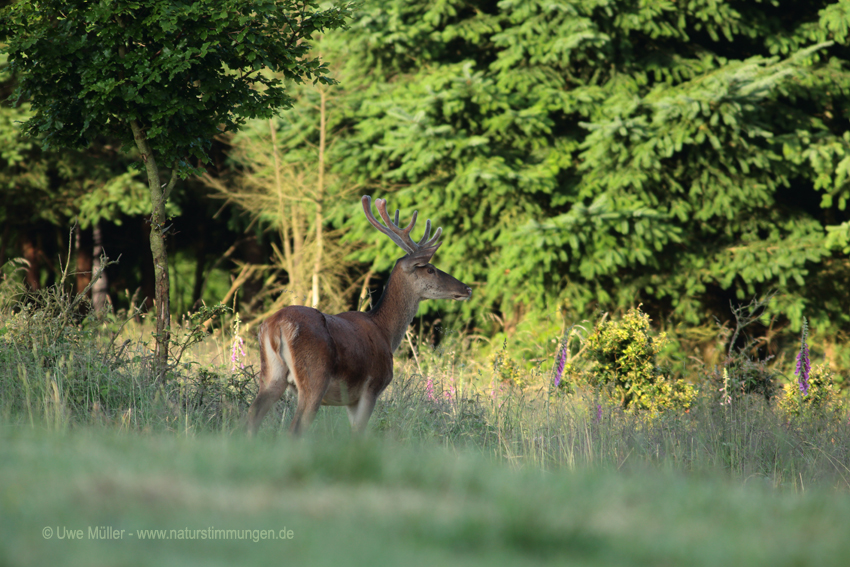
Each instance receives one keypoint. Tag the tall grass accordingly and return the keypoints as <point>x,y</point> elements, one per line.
<point>747,440</point>
<point>66,366</point>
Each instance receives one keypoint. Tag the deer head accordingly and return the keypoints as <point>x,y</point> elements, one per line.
<point>424,279</point>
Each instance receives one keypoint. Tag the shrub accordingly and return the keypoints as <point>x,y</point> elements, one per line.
<point>822,395</point>
<point>741,376</point>
<point>814,391</point>
<point>65,363</point>
<point>624,353</point>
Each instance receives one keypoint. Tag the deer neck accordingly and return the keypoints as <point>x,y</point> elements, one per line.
<point>396,308</point>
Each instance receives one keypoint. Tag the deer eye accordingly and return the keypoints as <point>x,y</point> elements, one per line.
<point>430,270</point>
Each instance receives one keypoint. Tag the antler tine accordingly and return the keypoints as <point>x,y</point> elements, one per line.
<point>401,236</point>
<point>381,204</point>
<point>424,242</point>
<point>397,235</point>
<point>427,233</point>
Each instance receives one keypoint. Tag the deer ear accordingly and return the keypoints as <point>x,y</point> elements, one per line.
<point>420,258</point>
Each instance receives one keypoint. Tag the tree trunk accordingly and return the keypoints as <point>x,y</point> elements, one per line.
<point>157,243</point>
<point>288,254</point>
<point>100,289</point>
<point>84,259</point>
<point>31,250</point>
<point>7,228</point>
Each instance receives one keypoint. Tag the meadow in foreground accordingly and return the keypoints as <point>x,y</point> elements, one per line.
<point>382,502</point>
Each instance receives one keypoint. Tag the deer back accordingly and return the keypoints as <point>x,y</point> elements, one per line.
<point>349,349</point>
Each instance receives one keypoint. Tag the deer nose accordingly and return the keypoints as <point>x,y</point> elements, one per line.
<point>468,291</point>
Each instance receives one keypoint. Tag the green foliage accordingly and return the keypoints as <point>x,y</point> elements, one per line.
<point>625,355</point>
<point>823,397</point>
<point>597,154</point>
<point>165,76</point>
<point>195,329</point>
<point>183,70</point>
<point>55,185</point>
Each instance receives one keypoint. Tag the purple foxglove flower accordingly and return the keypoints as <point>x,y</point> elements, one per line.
<point>562,361</point>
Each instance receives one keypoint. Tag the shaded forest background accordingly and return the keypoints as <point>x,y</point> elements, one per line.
<point>580,157</point>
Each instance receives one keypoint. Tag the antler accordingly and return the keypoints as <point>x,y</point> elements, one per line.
<point>400,236</point>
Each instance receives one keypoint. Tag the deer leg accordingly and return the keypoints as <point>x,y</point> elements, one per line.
<point>309,402</point>
<point>270,392</point>
<point>360,412</point>
<point>352,413</point>
<point>273,382</point>
<point>305,412</point>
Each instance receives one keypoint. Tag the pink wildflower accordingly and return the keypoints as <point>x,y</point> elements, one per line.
<point>237,353</point>
<point>429,389</point>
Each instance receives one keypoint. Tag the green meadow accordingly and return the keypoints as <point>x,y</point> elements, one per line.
<point>328,500</point>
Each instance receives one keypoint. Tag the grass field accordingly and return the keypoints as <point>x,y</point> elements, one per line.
<point>103,464</point>
<point>374,501</point>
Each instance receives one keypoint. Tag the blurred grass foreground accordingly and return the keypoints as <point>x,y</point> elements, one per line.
<point>104,461</point>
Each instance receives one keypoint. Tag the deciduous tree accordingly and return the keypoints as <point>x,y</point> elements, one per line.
<point>165,76</point>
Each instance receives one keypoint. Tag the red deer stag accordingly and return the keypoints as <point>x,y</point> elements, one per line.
<point>347,359</point>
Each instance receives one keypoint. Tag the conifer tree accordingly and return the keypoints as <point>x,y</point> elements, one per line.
<point>606,153</point>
